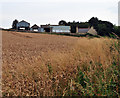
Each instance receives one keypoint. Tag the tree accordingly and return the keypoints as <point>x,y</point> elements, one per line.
<point>83,25</point>
<point>103,30</point>
<point>108,25</point>
<point>14,25</point>
<point>94,22</point>
<point>62,22</point>
<point>117,30</point>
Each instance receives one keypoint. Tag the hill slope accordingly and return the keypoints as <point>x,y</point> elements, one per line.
<point>49,65</point>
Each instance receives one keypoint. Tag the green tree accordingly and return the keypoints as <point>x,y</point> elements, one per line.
<point>83,25</point>
<point>117,30</point>
<point>94,22</point>
<point>14,24</point>
<point>62,22</point>
<point>103,30</point>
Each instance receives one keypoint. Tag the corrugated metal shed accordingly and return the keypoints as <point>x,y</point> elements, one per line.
<point>59,29</point>
<point>23,24</point>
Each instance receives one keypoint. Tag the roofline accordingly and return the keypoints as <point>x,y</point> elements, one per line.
<point>52,25</point>
<point>24,21</point>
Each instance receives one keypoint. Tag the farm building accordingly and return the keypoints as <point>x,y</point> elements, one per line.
<point>36,28</point>
<point>23,25</point>
<point>47,28</point>
<point>86,30</point>
<point>56,28</point>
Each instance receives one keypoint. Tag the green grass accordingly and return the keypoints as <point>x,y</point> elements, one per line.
<point>101,82</point>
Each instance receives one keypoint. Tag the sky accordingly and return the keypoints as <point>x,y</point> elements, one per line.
<point>43,12</point>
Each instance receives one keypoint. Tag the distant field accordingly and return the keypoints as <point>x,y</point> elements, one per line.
<point>55,65</point>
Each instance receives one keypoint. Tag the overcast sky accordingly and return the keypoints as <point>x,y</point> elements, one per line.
<point>52,11</point>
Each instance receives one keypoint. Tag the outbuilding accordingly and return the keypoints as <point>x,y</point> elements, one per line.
<point>60,29</point>
<point>56,28</point>
<point>86,30</point>
<point>36,28</point>
<point>23,25</point>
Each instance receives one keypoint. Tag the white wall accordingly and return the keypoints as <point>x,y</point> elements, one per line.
<point>60,29</point>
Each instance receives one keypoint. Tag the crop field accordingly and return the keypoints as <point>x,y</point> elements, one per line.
<point>55,65</point>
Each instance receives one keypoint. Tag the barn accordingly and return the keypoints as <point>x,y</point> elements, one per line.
<point>36,28</point>
<point>23,25</point>
<point>60,29</point>
<point>86,30</point>
<point>56,28</point>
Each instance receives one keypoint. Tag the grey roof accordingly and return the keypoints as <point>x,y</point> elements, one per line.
<point>35,26</point>
<point>24,22</point>
<point>83,30</point>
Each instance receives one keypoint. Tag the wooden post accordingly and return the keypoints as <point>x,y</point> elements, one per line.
<point>77,30</point>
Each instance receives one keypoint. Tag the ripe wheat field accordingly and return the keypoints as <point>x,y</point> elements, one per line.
<point>54,65</point>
